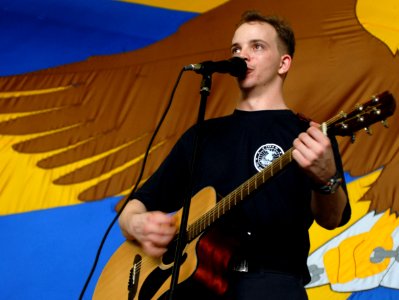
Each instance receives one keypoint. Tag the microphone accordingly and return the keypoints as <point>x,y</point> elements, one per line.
<point>235,66</point>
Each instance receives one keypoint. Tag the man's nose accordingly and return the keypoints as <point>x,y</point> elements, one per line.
<point>244,54</point>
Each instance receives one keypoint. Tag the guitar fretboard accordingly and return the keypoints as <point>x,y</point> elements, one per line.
<point>237,195</point>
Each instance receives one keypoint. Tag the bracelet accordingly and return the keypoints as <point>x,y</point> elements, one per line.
<point>331,186</point>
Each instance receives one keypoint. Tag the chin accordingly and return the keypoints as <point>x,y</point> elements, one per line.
<point>245,85</point>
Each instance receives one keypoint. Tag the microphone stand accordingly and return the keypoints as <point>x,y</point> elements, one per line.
<point>181,240</point>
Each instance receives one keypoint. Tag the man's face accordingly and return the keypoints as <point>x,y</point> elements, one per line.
<point>256,42</point>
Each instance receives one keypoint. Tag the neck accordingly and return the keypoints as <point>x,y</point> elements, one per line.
<point>251,101</point>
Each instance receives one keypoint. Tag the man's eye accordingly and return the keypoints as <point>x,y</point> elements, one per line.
<point>258,46</point>
<point>235,50</point>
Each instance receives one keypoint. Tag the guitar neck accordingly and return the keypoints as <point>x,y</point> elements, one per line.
<point>236,196</point>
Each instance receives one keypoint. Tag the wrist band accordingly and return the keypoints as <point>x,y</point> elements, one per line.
<point>331,186</point>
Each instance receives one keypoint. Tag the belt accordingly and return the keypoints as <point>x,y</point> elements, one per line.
<point>247,266</point>
<point>240,266</point>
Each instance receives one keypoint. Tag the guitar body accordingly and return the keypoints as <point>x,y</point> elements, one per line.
<point>153,275</point>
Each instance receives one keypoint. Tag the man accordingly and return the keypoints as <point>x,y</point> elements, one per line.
<point>272,224</point>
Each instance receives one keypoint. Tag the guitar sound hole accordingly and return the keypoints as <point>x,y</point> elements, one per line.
<point>154,281</point>
<point>169,257</point>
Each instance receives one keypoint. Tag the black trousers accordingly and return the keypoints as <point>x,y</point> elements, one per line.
<point>265,285</point>
<point>261,285</point>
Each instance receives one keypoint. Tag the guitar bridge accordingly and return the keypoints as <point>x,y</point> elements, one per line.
<point>133,276</point>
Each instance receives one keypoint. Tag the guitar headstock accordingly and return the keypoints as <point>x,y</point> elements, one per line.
<point>375,110</point>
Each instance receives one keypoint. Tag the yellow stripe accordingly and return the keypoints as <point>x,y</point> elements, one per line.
<point>25,187</point>
<point>33,92</point>
<point>320,236</point>
<point>356,189</point>
<point>380,18</point>
<point>181,5</point>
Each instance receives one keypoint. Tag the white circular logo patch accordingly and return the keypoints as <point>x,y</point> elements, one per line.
<point>266,154</point>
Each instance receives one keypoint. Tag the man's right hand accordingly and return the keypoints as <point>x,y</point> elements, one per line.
<point>153,230</point>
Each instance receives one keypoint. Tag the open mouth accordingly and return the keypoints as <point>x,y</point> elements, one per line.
<point>249,71</point>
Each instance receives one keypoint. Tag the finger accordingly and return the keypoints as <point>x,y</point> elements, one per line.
<point>154,251</point>
<point>314,124</point>
<point>319,137</point>
<point>316,134</point>
<point>298,157</point>
<point>159,228</point>
<point>160,223</point>
<point>161,218</point>
<point>308,138</point>
<point>305,146</point>
<point>317,144</point>
<point>160,240</point>
<point>322,127</point>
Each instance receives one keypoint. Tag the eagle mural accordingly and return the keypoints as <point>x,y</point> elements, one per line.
<point>74,138</point>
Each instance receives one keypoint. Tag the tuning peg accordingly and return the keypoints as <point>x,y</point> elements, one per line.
<point>359,107</point>
<point>368,130</point>
<point>377,111</point>
<point>385,123</point>
<point>375,98</point>
<point>353,138</point>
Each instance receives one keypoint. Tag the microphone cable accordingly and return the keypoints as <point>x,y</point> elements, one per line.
<point>134,189</point>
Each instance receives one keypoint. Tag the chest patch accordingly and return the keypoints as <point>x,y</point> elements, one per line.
<point>265,155</point>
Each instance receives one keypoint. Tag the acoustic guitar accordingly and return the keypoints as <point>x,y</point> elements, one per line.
<point>130,274</point>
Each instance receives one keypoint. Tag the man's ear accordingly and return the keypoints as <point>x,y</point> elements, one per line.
<point>285,64</point>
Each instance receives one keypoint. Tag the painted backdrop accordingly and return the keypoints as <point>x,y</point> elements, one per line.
<point>76,117</point>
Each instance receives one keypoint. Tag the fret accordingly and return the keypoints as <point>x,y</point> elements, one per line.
<point>201,224</point>
<point>192,232</point>
<point>198,228</point>
<point>213,214</point>
<point>189,231</point>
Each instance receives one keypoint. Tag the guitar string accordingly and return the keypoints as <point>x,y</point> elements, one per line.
<point>225,204</point>
<point>201,223</point>
<point>252,183</point>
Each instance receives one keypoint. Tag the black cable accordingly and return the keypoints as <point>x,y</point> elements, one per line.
<point>134,189</point>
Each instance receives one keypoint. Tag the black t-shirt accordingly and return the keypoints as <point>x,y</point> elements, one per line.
<point>274,220</point>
